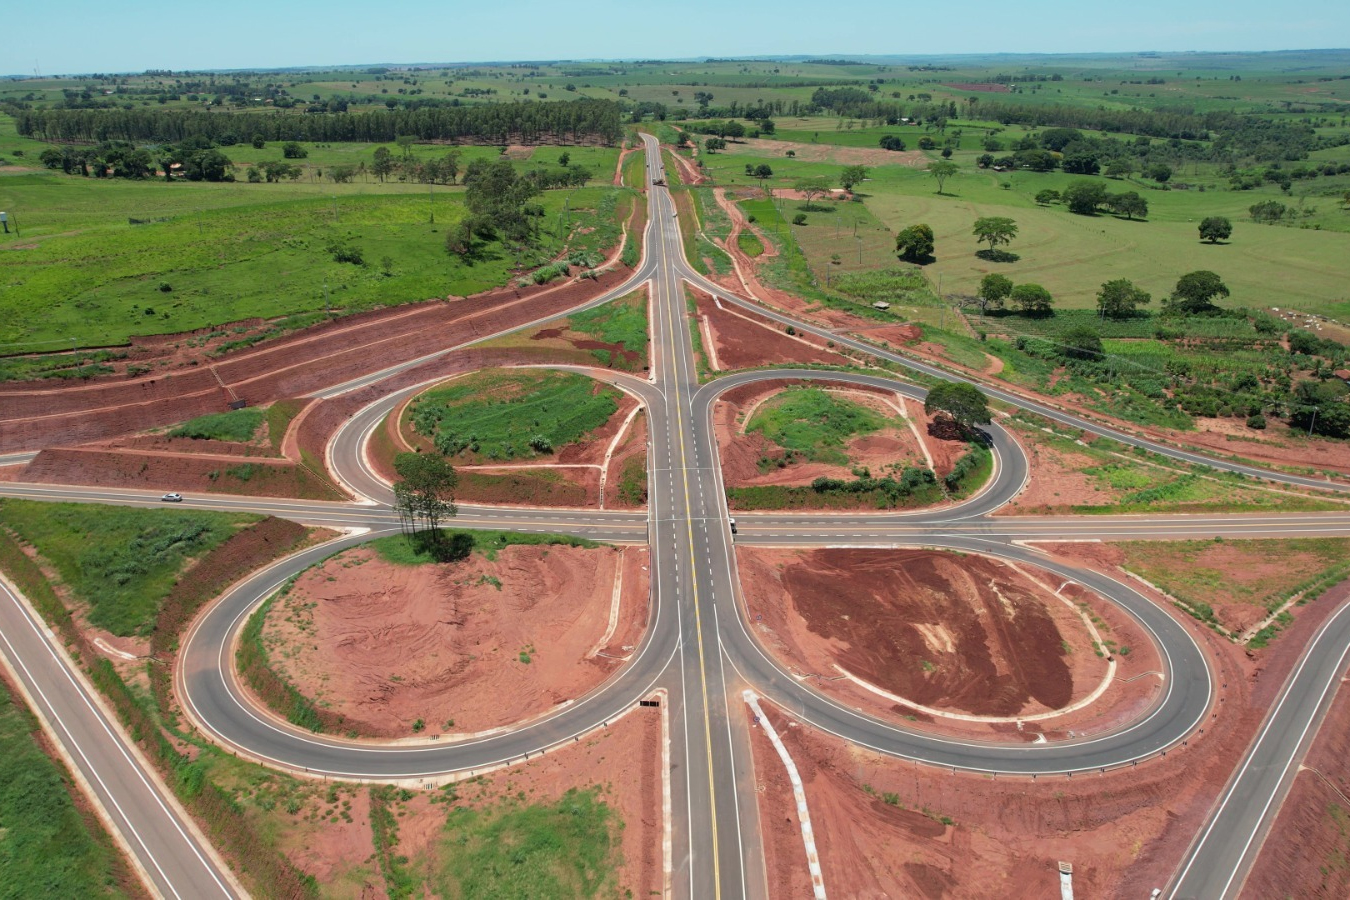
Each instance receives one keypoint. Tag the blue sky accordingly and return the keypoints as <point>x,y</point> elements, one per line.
<point>77,36</point>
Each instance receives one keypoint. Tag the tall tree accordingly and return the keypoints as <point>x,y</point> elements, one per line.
<point>959,401</point>
<point>1120,299</point>
<point>1195,292</point>
<point>1215,229</point>
<point>425,491</point>
<point>994,289</point>
<point>1032,300</point>
<point>810,188</point>
<point>995,230</point>
<point>852,176</point>
<point>942,170</point>
<point>383,165</point>
<point>915,243</point>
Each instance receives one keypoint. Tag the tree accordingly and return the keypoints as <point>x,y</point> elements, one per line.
<point>960,402</point>
<point>1080,159</point>
<point>915,243</point>
<point>1032,300</point>
<point>810,188</point>
<point>564,159</point>
<point>293,150</point>
<point>1321,407</point>
<point>1160,172</point>
<point>52,158</point>
<point>383,165</point>
<point>1195,292</point>
<point>1215,229</point>
<point>713,144</point>
<point>405,143</point>
<point>1081,342</point>
<point>259,142</point>
<point>891,142</point>
<point>1047,196</point>
<point>1121,167</point>
<point>994,289</point>
<point>1083,197</point>
<point>995,230</point>
<point>851,176</point>
<point>1119,299</point>
<point>496,196</point>
<point>1129,204</point>
<point>984,160</point>
<point>799,219</point>
<point>763,171</point>
<point>942,170</point>
<point>425,491</point>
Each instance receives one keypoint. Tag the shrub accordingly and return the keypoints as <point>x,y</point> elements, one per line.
<point>799,219</point>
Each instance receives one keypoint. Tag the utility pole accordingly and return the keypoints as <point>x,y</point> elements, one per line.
<point>1314,420</point>
<point>431,210</point>
<point>327,310</point>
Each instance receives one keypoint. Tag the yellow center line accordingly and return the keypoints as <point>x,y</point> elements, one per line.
<point>671,286</point>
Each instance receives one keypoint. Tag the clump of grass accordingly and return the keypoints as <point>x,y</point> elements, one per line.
<point>238,425</point>
<point>814,423</point>
<point>403,550</point>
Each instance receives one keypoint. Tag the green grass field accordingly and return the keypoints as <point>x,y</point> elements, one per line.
<point>47,848</point>
<point>1070,255</point>
<point>207,254</point>
<point>622,322</point>
<point>498,414</point>
<point>814,422</point>
<point>564,849</point>
<point>236,425</point>
<point>121,561</point>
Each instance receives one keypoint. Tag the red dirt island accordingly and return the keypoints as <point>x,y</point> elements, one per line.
<point>462,646</point>
<point>962,644</point>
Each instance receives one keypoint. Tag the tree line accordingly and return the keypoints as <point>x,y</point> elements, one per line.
<point>523,122</point>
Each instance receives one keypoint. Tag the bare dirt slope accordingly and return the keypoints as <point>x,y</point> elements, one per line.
<point>482,643</point>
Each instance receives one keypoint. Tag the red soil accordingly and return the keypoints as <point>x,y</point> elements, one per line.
<point>744,339</point>
<point>219,474</point>
<point>1305,854</point>
<point>294,365</point>
<point>1124,830</point>
<point>622,760</point>
<point>966,634</point>
<point>385,645</point>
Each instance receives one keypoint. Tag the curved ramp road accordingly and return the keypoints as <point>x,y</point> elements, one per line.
<point>698,647</point>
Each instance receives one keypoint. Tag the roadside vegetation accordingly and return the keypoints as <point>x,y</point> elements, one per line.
<point>815,423</point>
<point>51,846</point>
<point>122,562</point>
<point>402,550</point>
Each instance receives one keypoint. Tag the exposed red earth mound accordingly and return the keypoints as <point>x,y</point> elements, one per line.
<point>742,339</point>
<point>482,643</point>
<point>225,474</point>
<point>954,633</point>
<point>294,365</point>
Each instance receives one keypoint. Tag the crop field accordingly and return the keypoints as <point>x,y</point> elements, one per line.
<point>502,415</point>
<point>121,561</point>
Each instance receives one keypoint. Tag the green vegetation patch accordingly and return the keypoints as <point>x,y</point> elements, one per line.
<point>1209,575</point>
<point>814,422</point>
<point>121,561</point>
<point>403,550</point>
<point>239,425</point>
<point>565,849</point>
<point>508,415</point>
<point>47,849</point>
<point>623,322</point>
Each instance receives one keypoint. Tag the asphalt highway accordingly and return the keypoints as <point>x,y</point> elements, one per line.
<point>698,647</point>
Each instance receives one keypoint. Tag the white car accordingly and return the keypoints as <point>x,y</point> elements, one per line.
<point>172,498</point>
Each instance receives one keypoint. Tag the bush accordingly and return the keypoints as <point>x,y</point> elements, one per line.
<point>799,219</point>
